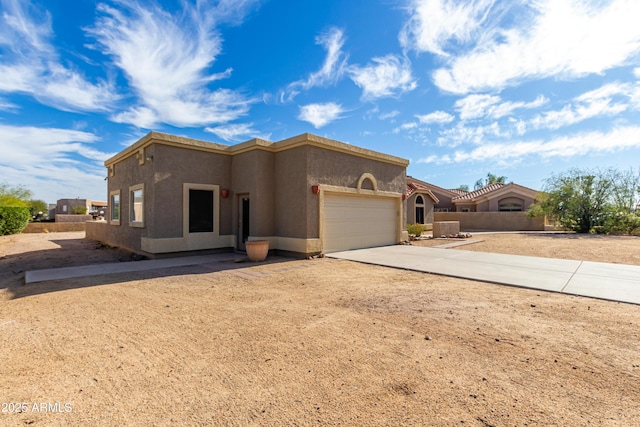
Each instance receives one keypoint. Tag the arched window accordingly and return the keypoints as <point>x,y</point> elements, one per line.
<point>419,210</point>
<point>511,204</point>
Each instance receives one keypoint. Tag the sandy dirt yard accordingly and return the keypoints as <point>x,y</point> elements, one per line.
<point>311,342</point>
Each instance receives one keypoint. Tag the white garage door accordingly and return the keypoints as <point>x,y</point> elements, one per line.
<point>352,222</point>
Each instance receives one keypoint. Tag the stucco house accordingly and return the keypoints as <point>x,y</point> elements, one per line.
<point>306,195</point>
<point>443,196</point>
<point>496,197</point>
<point>69,207</point>
<point>420,202</point>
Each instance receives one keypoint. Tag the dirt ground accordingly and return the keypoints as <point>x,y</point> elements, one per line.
<point>311,342</point>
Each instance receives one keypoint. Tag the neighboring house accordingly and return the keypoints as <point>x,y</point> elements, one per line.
<point>496,197</point>
<point>441,197</point>
<point>420,202</point>
<point>70,207</point>
<point>305,195</point>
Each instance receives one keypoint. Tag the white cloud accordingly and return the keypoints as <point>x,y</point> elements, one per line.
<point>7,106</point>
<point>435,117</point>
<point>463,134</point>
<point>26,28</point>
<point>492,106</point>
<point>166,58</point>
<point>405,127</point>
<point>595,103</point>
<point>332,69</point>
<point>389,115</point>
<point>67,90</point>
<point>566,38</point>
<point>32,66</point>
<point>564,146</point>
<point>45,161</point>
<point>320,115</point>
<point>387,76</point>
<point>508,107</point>
<point>237,132</point>
<point>435,23</point>
<point>474,106</point>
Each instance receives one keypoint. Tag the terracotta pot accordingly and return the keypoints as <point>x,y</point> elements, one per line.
<point>257,250</point>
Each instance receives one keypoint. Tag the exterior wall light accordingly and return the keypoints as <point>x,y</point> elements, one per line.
<point>315,189</point>
<point>224,193</point>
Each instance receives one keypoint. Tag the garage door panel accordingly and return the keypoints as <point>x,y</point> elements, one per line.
<point>352,222</point>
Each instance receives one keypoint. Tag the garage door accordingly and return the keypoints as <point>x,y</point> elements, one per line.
<point>352,222</point>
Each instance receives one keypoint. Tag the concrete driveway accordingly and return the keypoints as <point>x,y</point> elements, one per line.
<point>616,282</point>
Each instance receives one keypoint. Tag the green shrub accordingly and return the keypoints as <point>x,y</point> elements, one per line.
<point>621,223</point>
<point>13,219</point>
<point>79,210</point>
<point>415,229</point>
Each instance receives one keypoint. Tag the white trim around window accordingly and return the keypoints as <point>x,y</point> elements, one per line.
<point>115,207</point>
<point>136,205</point>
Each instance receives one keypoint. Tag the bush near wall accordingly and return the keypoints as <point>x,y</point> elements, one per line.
<point>13,219</point>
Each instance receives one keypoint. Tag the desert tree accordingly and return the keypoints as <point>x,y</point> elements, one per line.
<point>490,179</point>
<point>585,200</point>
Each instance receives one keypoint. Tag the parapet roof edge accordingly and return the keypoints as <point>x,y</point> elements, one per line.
<point>253,144</point>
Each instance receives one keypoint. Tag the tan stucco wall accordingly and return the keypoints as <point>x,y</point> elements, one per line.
<point>253,175</point>
<point>73,218</point>
<point>54,227</point>
<point>297,207</point>
<point>494,221</point>
<point>173,166</point>
<point>444,200</point>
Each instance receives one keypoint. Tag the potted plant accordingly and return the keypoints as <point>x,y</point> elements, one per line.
<point>257,250</point>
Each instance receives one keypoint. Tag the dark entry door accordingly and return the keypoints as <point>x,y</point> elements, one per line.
<point>244,222</point>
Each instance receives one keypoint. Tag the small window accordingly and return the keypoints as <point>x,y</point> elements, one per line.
<point>136,206</point>
<point>114,207</point>
<point>64,208</point>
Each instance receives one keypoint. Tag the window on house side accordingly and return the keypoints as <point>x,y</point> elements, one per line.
<point>136,206</point>
<point>115,207</point>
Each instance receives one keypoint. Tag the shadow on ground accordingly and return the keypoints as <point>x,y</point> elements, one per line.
<point>81,252</point>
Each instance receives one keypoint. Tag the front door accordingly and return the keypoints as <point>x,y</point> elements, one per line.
<point>243,222</point>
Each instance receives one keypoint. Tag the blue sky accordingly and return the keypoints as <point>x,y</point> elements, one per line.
<point>461,88</point>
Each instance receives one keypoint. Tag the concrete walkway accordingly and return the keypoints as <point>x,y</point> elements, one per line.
<point>616,282</point>
<point>35,276</point>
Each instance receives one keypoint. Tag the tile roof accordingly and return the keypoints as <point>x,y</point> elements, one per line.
<point>414,186</point>
<point>458,191</point>
<point>427,185</point>
<point>473,194</point>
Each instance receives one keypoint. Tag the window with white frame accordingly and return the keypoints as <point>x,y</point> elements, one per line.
<point>136,205</point>
<point>114,207</point>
